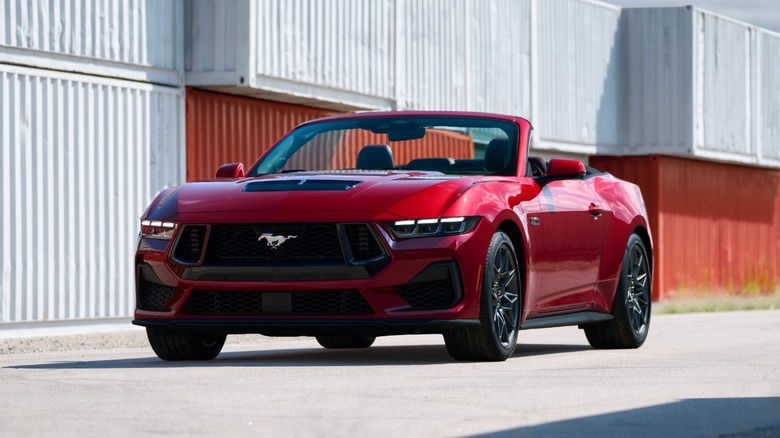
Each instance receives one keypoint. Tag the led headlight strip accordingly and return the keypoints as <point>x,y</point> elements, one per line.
<point>432,227</point>
<point>157,229</point>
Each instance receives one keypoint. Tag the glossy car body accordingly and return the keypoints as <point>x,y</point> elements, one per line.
<point>568,229</point>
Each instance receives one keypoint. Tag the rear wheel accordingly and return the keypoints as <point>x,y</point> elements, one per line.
<point>632,303</point>
<point>184,345</point>
<point>346,341</point>
<point>499,315</point>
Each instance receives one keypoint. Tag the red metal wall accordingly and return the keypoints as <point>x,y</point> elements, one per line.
<point>223,128</point>
<point>715,226</point>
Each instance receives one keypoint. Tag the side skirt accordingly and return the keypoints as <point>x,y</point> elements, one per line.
<point>578,318</point>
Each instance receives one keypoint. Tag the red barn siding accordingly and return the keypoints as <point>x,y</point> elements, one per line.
<point>715,226</point>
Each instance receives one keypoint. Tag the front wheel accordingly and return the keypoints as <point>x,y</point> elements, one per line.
<point>184,345</point>
<point>633,302</point>
<point>499,314</point>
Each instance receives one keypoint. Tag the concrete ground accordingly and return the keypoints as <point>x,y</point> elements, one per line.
<point>713,374</point>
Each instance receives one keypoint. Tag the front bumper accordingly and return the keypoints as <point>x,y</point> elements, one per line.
<point>428,286</point>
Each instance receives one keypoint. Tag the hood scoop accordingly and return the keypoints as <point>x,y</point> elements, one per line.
<point>289,185</point>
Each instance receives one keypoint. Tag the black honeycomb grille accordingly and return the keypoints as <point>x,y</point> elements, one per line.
<point>190,244</point>
<point>338,302</point>
<point>362,242</point>
<point>429,295</point>
<point>153,296</point>
<point>270,244</point>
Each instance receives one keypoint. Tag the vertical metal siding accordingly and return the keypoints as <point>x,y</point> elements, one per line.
<point>212,29</point>
<point>134,32</point>
<point>768,121</point>
<point>725,75</point>
<point>347,45</point>
<point>658,117</point>
<point>223,128</point>
<point>578,73</point>
<point>434,66</point>
<point>81,157</point>
<point>499,56</point>
<point>711,233</point>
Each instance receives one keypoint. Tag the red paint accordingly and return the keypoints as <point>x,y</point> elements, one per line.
<point>571,232</point>
<point>717,226</point>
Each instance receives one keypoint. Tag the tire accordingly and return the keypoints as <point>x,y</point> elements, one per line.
<point>499,311</point>
<point>346,341</point>
<point>182,345</point>
<point>632,306</point>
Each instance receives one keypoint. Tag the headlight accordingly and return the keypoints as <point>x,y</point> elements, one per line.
<point>157,230</point>
<point>432,227</point>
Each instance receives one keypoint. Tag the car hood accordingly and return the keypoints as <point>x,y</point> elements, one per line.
<point>354,195</point>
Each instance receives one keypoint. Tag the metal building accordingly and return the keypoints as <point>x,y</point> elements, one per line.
<point>91,127</point>
<point>103,103</point>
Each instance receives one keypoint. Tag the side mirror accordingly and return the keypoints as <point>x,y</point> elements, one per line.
<point>564,167</point>
<point>232,170</point>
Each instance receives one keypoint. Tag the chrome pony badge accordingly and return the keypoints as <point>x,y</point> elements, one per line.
<point>274,241</point>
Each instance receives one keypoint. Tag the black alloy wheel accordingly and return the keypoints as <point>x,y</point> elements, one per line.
<point>496,336</point>
<point>633,303</point>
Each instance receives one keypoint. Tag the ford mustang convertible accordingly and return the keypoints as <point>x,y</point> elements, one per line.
<point>374,224</point>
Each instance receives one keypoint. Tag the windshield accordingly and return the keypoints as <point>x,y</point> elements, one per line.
<point>450,145</point>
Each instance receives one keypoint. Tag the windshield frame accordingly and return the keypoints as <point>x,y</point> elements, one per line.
<point>273,160</point>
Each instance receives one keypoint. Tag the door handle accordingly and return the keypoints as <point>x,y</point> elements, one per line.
<point>595,210</point>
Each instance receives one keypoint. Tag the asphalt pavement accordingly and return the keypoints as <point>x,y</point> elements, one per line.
<point>711,374</point>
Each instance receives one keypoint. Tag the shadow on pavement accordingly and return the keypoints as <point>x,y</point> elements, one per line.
<point>307,357</point>
<point>757,417</point>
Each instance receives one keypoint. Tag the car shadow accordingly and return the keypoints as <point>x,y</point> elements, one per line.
<point>306,357</point>
<point>716,417</point>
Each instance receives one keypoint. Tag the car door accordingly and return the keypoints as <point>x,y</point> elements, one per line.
<point>571,232</point>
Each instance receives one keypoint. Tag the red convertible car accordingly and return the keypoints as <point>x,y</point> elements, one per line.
<point>365,225</point>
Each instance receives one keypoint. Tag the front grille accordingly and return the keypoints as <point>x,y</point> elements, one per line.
<point>429,295</point>
<point>189,244</point>
<point>362,242</point>
<point>273,244</point>
<point>153,296</point>
<point>337,302</point>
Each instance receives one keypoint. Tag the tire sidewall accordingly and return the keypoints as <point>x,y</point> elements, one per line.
<point>486,304</point>
<point>620,299</point>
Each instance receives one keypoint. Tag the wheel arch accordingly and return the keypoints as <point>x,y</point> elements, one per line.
<point>645,236</point>
<point>519,242</point>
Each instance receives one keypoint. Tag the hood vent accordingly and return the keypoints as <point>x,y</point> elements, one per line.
<point>299,185</point>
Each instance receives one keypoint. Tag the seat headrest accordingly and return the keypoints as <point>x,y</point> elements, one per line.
<point>375,157</point>
<point>430,163</point>
<point>497,155</point>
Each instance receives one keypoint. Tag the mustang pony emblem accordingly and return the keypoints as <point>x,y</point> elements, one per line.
<point>274,241</point>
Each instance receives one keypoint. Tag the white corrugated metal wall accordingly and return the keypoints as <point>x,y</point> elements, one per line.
<point>658,60</point>
<point>724,82</point>
<point>700,84</point>
<point>579,76</point>
<point>132,39</point>
<point>768,120</point>
<point>84,149</point>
